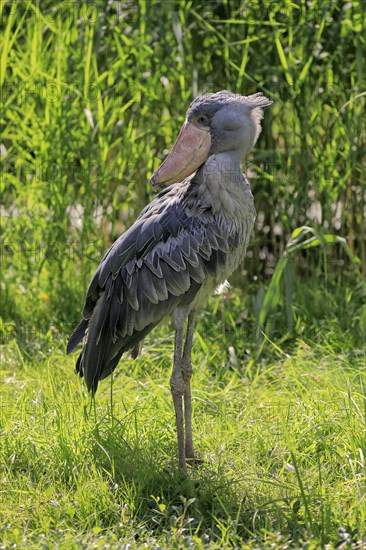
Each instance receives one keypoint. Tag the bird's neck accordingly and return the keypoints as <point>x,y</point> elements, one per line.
<point>220,183</point>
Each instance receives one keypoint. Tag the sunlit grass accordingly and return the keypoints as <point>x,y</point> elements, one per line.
<point>92,94</point>
<point>282,444</point>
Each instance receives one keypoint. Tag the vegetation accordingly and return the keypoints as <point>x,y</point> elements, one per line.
<point>92,96</point>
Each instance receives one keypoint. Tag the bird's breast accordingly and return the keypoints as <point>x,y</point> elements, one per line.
<point>238,231</point>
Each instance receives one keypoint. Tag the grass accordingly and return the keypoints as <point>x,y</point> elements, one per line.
<point>91,95</point>
<point>281,433</point>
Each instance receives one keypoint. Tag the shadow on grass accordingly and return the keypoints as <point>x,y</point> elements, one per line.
<point>205,503</point>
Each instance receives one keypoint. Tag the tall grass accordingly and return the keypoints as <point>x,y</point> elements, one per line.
<point>282,441</point>
<point>93,94</point>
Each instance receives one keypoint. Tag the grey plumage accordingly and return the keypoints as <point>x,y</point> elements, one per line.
<point>169,250</point>
<point>185,243</point>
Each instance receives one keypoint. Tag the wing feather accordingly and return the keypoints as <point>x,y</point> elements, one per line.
<point>147,286</point>
<point>156,265</point>
<point>160,288</point>
<point>131,293</point>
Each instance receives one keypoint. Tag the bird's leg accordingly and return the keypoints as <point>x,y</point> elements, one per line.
<point>187,373</point>
<point>177,389</point>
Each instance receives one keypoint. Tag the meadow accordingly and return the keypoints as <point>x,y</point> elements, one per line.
<point>92,97</point>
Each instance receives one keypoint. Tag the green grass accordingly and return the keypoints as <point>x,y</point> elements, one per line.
<point>282,436</point>
<point>91,96</point>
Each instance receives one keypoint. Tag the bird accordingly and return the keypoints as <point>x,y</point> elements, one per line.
<point>184,244</point>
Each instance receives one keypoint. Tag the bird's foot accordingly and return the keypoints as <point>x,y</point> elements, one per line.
<point>194,461</point>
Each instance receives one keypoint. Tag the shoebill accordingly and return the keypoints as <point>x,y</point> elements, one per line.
<point>183,245</point>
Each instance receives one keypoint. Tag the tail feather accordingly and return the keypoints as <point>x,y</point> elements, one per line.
<point>97,345</point>
<point>77,335</point>
<point>101,352</point>
<point>79,364</point>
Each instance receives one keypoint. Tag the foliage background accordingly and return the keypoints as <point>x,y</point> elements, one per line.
<point>92,97</point>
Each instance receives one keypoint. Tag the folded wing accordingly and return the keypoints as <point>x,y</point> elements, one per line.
<point>160,263</point>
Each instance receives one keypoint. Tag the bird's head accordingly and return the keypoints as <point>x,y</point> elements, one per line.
<point>215,123</point>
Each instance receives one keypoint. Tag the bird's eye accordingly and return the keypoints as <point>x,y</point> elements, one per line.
<point>202,119</point>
